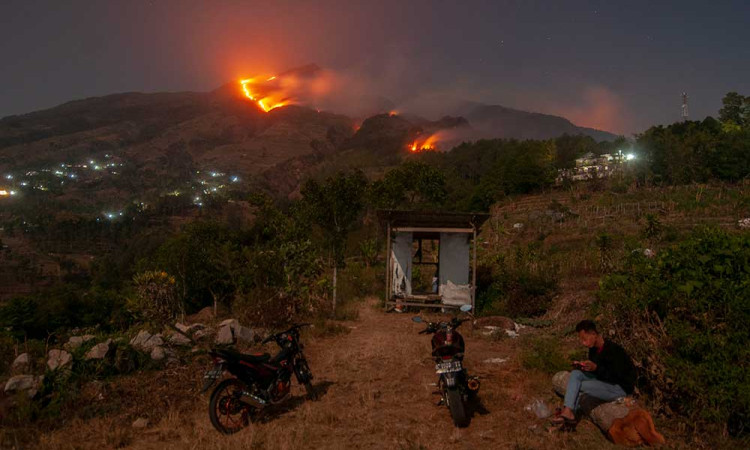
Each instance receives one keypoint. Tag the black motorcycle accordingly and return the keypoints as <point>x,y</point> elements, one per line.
<point>257,381</point>
<point>456,387</point>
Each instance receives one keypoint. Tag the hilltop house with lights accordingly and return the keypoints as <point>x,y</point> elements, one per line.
<point>590,166</point>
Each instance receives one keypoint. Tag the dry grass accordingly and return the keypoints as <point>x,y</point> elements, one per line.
<point>377,384</point>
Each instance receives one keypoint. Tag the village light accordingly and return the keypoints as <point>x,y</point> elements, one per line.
<point>630,156</point>
<point>234,179</point>
<point>9,177</point>
<point>12,192</point>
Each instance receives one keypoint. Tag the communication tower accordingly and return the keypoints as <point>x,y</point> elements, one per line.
<point>684,106</point>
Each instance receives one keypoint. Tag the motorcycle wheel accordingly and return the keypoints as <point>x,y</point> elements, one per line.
<point>456,407</point>
<point>227,412</point>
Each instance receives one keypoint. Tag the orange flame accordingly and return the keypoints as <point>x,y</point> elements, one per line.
<point>426,145</point>
<point>267,97</point>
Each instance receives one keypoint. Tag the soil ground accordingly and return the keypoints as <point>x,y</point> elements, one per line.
<point>376,387</point>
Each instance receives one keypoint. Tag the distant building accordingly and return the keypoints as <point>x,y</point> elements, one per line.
<point>590,166</point>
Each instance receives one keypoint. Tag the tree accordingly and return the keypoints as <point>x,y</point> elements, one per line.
<point>412,185</point>
<point>334,205</point>
<point>735,109</point>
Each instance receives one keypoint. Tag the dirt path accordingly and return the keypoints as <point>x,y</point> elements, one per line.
<point>377,386</point>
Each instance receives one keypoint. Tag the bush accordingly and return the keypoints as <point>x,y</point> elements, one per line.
<point>684,316</point>
<point>544,354</point>
<point>521,286</point>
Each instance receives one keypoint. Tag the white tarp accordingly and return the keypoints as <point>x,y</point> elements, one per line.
<point>454,268</point>
<point>401,264</point>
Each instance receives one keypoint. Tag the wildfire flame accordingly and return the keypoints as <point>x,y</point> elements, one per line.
<point>266,96</point>
<point>426,145</point>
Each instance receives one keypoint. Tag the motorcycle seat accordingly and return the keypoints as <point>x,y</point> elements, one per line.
<point>256,358</point>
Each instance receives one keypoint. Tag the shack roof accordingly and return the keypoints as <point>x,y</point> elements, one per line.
<point>431,219</point>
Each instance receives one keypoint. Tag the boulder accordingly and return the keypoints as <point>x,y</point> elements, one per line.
<point>140,422</point>
<point>57,359</point>
<point>158,353</point>
<point>21,364</point>
<point>603,414</point>
<point>504,323</point>
<point>28,383</point>
<point>189,329</point>
<point>230,331</point>
<point>99,351</point>
<point>179,339</point>
<point>76,341</point>
<point>146,342</point>
<point>200,334</point>
<point>225,335</point>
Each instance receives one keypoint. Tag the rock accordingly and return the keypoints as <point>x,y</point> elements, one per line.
<point>500,322</point>
<point>225,336</point>
<point>495,360</point>
<point>76,341</point>
<point>57,359</point>
<point>200,334</point>
<point>141,338</point>
<point>146,342</point>
<point>744,223</point>
<point>601,413</point>
<point>99,351</point>
<point>21,364</point>
<point>517,226</point>
<point>231,330</point>
<point>189,329</point>
<point>141,422</point>
<point>28,383</point>
<point>158,353</point>
<point>179,339</point>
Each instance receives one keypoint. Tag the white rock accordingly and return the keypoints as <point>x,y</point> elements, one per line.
<point>99,351</point>
<point>231,330</point>
<point>28,383</point>
<point>225,335</point>
<point>146,342</point>
<point>57,359</point>
<point>158,353</point>
<point>179,339</point>
<point>141,422</point>
<point>518,226</point>
<point>511,333</point>
<point>22,362</point>
<point>495,360</point>
<point>189,329</point>
<point>744,223</point>
<point>76,341</point>
<point>201,334</point>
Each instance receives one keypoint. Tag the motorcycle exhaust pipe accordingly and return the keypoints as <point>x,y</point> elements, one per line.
<point>254,400</point>
<point>473,384</point>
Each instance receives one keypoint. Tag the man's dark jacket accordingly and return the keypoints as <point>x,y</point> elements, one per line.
<point>613,366</point>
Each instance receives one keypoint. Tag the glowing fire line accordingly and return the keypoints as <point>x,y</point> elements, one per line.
<point>265,102</point>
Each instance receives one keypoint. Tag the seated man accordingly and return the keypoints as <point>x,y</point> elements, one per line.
<point>608,374</point>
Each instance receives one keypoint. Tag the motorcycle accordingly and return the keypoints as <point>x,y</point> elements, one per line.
<point>256,382</point>
<point>455,385</point>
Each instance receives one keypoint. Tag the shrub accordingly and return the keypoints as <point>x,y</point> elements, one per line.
<point>545,354</point>
<point>683,315</point>
<point>521,286</point>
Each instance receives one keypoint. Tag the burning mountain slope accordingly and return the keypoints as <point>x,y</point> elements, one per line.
<point>219,128</point>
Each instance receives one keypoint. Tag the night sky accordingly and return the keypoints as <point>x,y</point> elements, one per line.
<point>619,66</point>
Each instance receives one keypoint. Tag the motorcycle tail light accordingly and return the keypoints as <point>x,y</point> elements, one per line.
<point>447,358</point>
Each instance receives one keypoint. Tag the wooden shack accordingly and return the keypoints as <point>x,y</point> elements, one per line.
<point>431,257</point>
